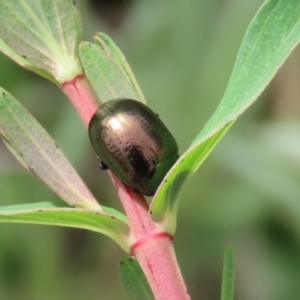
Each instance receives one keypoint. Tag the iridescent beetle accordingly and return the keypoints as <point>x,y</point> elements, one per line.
<point>133,143</point>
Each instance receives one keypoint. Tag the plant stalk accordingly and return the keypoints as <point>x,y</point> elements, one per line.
<point>79,92</point>
<point>153,249</point>
<point>158,260</point>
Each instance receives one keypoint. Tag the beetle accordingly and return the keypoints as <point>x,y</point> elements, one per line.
<point>132,141</point>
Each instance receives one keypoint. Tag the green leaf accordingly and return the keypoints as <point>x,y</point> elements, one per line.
<point>227,291</point>
<point>271,36</point>
<point>134,279</point>
<point>47,213</point>
<point>107,70</point>
<point>44,33</point>
<point>165,203</point>
<point>115,54</point>
<point>37,151</point>
<point>115,213</point>
<point>5,49</point>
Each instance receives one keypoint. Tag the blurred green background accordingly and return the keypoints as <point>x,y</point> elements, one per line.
<point>246,193</point>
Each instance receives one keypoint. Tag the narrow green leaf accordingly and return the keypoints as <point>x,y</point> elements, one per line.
<point>105,71</point>
<point>165,202</point>
<point>114,52</point>
<point>5,49</point>
<point>227,291</point>
<point>37,151</point>
<point>45,33</point>
<point>134,279</point>
<point>271,36</point>
<point>115,213</point>
<point>46,213</point>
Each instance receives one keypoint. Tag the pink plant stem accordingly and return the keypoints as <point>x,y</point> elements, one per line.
<point>158,261</point>
<point>152,248</point>
<point>81,96</point>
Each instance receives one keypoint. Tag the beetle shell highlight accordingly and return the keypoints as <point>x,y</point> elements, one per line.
<point>133,143</point>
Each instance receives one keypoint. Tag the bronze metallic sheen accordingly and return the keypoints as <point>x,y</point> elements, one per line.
<point>133,143</point>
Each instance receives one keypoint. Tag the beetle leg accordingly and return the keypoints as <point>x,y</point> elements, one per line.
<point>103,166</point>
